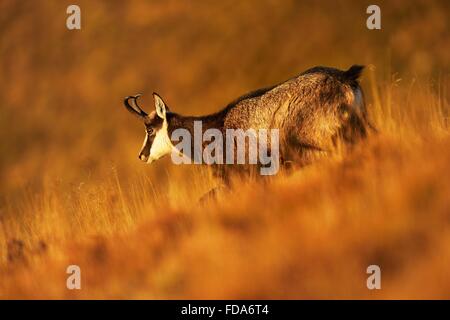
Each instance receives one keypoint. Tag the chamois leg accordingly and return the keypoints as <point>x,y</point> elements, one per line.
<point>212,194</point>
<point>224,185</point>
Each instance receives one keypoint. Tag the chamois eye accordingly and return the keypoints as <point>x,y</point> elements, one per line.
<point>150,131</point>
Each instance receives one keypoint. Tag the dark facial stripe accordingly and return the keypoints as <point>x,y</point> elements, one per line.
<point>146,149</point>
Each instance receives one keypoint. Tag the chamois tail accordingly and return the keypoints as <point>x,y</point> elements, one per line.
<point>354,72</point>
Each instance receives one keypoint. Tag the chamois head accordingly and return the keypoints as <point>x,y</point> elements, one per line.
<point>157,141</point>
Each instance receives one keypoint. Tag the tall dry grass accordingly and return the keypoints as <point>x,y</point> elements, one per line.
<point>73,191</point>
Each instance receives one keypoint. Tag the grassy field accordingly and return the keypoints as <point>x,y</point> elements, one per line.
<point>72,190</point>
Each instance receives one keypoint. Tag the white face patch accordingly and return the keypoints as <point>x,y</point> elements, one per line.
<point>161,145</point>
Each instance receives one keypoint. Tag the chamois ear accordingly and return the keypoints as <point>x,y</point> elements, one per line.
<point>160,106</point>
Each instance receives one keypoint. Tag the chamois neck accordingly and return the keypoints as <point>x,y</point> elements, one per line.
<point>177,121</point>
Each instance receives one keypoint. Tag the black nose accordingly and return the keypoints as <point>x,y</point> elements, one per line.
<point>143,157</point>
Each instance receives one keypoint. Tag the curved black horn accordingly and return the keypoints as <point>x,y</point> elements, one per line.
<point>134,107</point>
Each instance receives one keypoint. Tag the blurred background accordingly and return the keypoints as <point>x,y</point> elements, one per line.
<point>61,91</point>
<point>63,125</point>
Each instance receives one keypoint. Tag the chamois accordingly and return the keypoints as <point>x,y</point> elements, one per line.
<point>312,111</point>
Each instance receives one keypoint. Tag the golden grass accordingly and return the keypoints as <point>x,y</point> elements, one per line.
<point>307,234</point>
<point>73,191</point>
